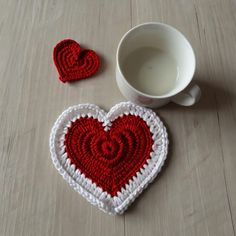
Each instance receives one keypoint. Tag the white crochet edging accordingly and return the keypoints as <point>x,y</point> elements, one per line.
<point>89,190</point>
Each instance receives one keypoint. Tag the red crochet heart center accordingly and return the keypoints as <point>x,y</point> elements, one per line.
<point>109,158</point>
<point>73,63</point>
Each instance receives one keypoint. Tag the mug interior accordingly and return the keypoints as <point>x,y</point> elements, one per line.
<point>165,38</point>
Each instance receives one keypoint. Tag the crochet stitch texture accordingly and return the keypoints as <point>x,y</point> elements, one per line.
<point>72,62</point>
<point>109,158</point>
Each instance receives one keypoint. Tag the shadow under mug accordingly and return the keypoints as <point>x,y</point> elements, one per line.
<point>164,38</point>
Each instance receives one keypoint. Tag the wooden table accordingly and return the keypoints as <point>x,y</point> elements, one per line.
<point>196,192</point>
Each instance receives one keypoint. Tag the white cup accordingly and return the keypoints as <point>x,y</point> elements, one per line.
<point>154,65</point>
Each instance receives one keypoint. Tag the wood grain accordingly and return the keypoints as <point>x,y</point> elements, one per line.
<point>196,192</point>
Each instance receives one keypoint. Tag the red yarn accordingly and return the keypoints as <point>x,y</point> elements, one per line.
<point>109,158</point>
<point>73,63</point>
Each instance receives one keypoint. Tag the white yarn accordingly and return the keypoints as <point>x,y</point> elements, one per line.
<point>94,194</point>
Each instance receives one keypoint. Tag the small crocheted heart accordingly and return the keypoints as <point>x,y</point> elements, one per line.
<point>109,158</point>
<point>72,62</point>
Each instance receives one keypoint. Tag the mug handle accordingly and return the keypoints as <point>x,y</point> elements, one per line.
<point>188,97</point>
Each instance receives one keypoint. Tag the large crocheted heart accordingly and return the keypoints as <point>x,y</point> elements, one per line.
<point>109,158</point>
<point>72,62</point>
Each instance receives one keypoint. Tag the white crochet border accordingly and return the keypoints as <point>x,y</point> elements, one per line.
<point>94,194</point>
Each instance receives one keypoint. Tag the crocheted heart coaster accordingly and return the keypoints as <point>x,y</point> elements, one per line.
<point>109,158</point>
<point>72,62</point>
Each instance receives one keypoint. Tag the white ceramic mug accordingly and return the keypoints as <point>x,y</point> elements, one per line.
<point>154,65</point>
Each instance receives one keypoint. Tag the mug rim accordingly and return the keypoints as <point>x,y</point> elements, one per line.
<point>146,94</point>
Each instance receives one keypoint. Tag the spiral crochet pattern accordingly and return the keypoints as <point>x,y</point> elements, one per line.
<point>72,62</point>
<point>109,158</point>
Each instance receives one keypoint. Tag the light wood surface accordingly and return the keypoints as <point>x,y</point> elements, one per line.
<point>196,192</point>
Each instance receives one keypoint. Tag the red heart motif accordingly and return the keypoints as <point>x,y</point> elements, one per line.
<point>109,158</point>
<point>72,62</point>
